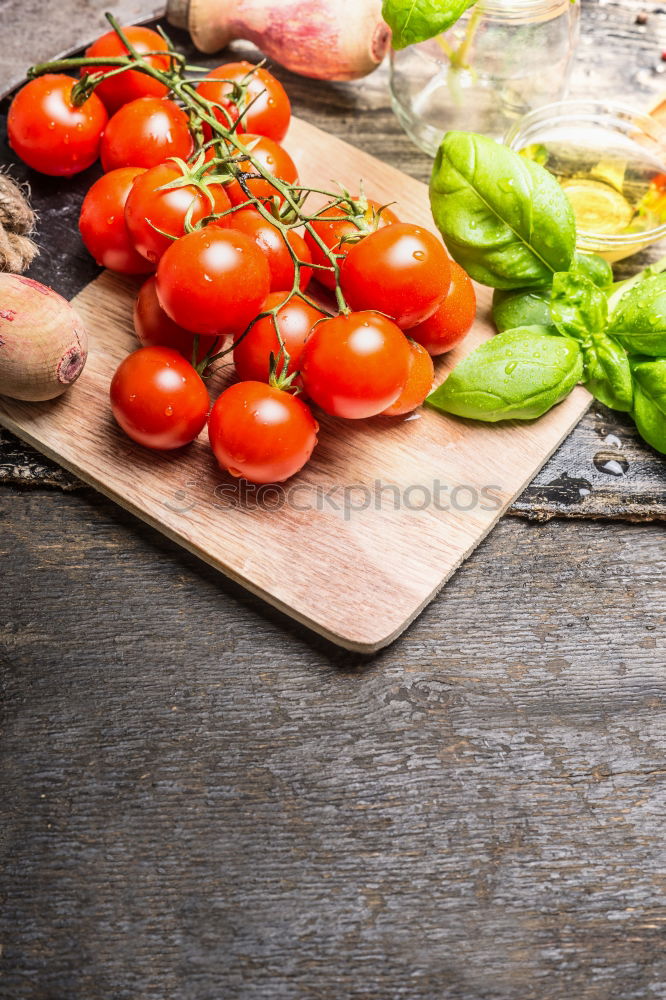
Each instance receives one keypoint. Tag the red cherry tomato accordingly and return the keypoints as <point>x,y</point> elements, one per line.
<point>355,365</point>
<point>295,319</point>
<point>131,84</point>
<point>402,270</point>
<point>270,111</point>
<point>155,329</point>
<point>452,320</point>
<point>102,223</point>
<point>420,374</point>
<point>213,281</point>
<point>145,132</point>
<point>339,231</point>
<point>158,398</point>
<point>271,243</point>
<point>261,433</point>
<point>49,132</point>
<point>270,155</point>
<point>150,207</point>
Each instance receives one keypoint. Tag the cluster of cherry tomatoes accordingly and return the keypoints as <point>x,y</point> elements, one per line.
<point>216,217</point>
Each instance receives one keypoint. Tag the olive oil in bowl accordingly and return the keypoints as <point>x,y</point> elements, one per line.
<point>610,163</point>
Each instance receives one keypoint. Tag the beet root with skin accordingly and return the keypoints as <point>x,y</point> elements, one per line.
<point>43,344</point>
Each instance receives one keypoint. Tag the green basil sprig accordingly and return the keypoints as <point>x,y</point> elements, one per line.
<point>509,224</point>
<point>579,309</point>
<point>518,375</point>
<point>529,306</point>
<point>639,320</point>
<point>649,410</point>
<point>504,219</point>
<point>577,306</point>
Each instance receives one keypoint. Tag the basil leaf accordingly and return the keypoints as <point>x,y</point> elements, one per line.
<point>595,268</point>
<point>578,308</point>
<point>639,320</point>
<point>505,219</point>
<point>650,401</point>
<point>523,307</point>
<point>607,372</point>
<point>517,375</point>
<point>414,21</point>
<point>530,306</point>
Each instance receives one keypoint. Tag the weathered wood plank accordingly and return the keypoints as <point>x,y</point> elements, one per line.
<point>202,802</point>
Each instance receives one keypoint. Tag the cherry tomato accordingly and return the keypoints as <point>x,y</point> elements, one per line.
<point>295,319</point>
<point>49,132</point>
<point>355,365</point>
<point>148,207</point>
<point>342,226</point>
<point>102,223</point>
<point>131,84</point>
<point>155,329</point>
<point>270,155</point>
<point>271,243</point>
<point>145,132</point>
<point>420,374</point>
<point>261,433</point>
<point>213,281</point>
<point>270,111</point>
<point>452,320</point>
<point>158,398</point>
<point>402,270</point>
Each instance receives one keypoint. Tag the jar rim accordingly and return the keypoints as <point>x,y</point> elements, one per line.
<point>519,9</point>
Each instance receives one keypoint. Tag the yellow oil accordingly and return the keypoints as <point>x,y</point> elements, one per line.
<point>609,195</point>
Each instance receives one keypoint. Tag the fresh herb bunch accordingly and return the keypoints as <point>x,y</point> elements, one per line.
<point>561,319</point>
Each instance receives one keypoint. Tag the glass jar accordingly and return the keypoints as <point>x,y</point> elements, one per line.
<point>502,59</point>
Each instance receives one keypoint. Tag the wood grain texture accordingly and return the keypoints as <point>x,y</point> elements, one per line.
<point>380,518</point>
<point>202,803</point>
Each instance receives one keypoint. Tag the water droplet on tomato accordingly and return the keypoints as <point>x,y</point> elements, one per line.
<point>132,397</point>
<point>168,412</point>
<point>235,472</point>
<point>111,219</point>
<point>51,125</point>
<point>65,140</point>
<point>419,255</point>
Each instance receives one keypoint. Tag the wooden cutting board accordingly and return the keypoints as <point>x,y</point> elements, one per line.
<point>357,544</point>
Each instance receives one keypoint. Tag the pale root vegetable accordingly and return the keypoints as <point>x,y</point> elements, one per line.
<point>324,39</point>
<point>43,344</point>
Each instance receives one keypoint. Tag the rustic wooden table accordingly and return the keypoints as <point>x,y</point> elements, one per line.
<point>202,801</point>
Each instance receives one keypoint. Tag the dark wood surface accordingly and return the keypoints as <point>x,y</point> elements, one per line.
<point>202,801</point>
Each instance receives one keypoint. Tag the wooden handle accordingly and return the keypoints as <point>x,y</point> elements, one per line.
<point>324,39</point>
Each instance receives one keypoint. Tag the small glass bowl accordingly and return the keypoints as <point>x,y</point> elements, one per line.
<point>611,162</point>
